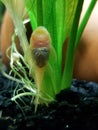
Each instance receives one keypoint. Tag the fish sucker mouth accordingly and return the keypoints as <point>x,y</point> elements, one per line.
<point>41,56</point>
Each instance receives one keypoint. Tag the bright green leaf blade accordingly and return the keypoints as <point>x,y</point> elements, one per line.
<point>65,11</point>
<point>68,70</point>
<point>32,9</point>
<point>49,19</point>
<point>70,9</point>
<point>39,13</point>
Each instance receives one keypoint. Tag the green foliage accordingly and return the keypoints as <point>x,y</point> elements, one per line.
<point>57,16</point>
<point>84,21</point>
<point>67,76</point>
<point>61,19</point>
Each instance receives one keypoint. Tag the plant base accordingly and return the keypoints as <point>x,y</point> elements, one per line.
<point>76,108</point>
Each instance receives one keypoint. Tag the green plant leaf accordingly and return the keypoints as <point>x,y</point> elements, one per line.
<point>68,69</point>
<point>84,21</point>
<point>74,41</point>
<point>32,12</point>
<point>57,17</point>
<point>60,18</point>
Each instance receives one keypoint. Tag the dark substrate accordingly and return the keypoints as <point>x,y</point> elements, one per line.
<point>76,108</point>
